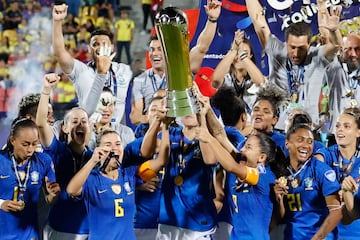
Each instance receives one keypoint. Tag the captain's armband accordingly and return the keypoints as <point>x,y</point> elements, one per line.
<point>252,176</point>
<point>145,172</point>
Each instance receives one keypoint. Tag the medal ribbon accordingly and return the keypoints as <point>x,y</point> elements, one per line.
<point>344,172</point>
<point>153,81</point>
<point>293,175</point>
<point>295,78</point>
<point>352,80</point>
<point>22,184</point>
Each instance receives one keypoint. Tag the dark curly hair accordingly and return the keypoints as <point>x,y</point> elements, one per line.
<point>273,94</point>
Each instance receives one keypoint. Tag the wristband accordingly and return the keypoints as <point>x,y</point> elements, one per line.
<point>1,202</point>
<point>212,20</point>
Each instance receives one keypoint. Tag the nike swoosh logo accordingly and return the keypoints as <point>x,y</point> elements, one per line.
<point>102,191</point>
<point>2,176</point>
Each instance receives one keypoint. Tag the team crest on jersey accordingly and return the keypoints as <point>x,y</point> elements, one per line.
<point>330,175</point>
<point>128,188</point>
<point>116,188</point>
<point>34,177</point>
<point>308,183</point>
<point>261,168</point>
<point>39,148</point>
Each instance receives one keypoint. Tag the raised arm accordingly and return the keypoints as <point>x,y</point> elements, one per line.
<point>258,19</point>
<point>46,133</point>
<point>197,53</point>
<point>250,175</point>
<point>136,114</point>
<point>329,27</point>
<point>148,145</point>
<point>64,58</point>
<point>213,124</point>
<point>75,186</point>
<point>224,65</point>
<point>149,169</point>
<point>254,72</point>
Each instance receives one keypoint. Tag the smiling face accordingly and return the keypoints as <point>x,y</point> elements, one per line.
<point>76,126</point>
<point>156,56</point>
<point>251,152</point>
<point>263,117</point>
<point>113,141</point>
<point>297,48</point>
<point>97,41</point>
<point>346,132</point>
<point>300,145</point>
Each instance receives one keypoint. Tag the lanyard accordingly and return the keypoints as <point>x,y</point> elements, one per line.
<point>344,172</point>
<point>114,82</point>
<point>78,164</point>
<point>153,81</point>
<point>293,175</point>
<point>22,184</point>
<point>353,81</point>
<point>295,78</point>
<point>112,77</point>
<point>240,90</point>
<point>185,155</point>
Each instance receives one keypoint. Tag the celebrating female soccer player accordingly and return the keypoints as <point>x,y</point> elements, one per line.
<point>307,195</point>
<point>22,173</point>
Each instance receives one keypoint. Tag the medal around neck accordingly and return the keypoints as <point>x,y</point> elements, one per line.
<point>178,180</point>
<point>283,180</point>
<point>294,183</point>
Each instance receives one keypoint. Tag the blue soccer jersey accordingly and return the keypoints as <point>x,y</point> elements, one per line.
<point>305,203</point>
<point>111,205</point>
<point>187,190</point>
<point>332,157</point>
<point>237,140</point>
<point>23,224</point>
<point>67,214</point>
<point>148,205</point>
<point>251,206</point>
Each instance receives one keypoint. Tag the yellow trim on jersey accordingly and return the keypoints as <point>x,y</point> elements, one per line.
<point>145,171</point>
<point>252,176</point>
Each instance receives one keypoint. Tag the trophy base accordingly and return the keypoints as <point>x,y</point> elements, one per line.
<point>182,103</point>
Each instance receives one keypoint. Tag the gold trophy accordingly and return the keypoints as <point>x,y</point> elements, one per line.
<point>172,31</point>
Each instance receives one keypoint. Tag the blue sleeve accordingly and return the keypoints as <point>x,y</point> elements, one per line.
<point>327,178</point>
<point>325,153</point>
<point>49,168</point>
<point>132,155</point>
<point>55,149</point>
